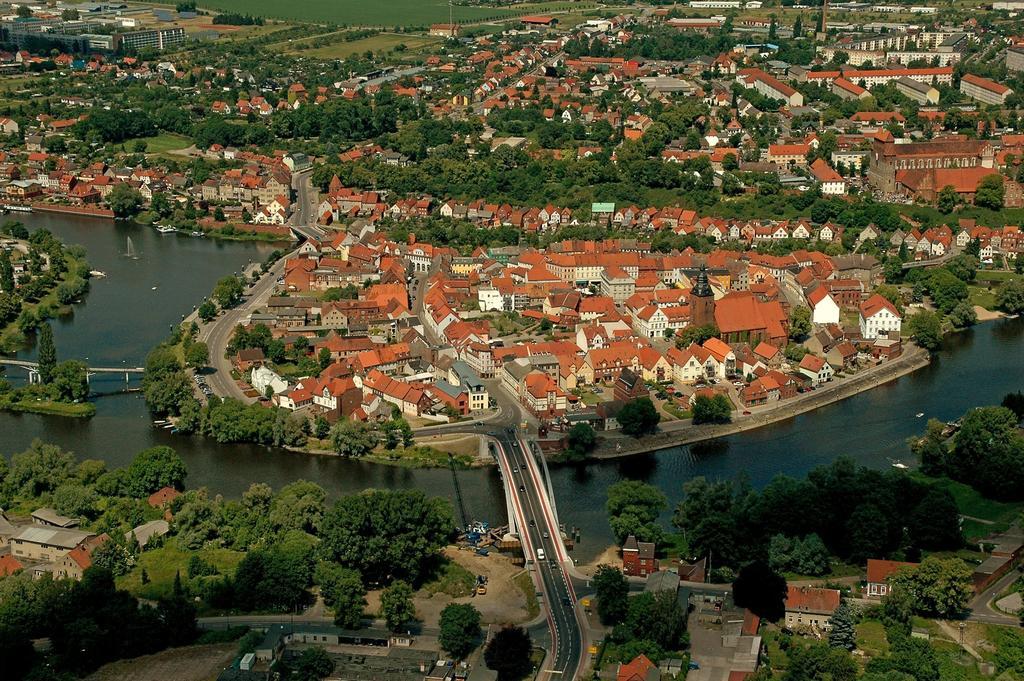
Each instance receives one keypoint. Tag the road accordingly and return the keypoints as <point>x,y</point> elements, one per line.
<point>982,609</point>
<point>539,532</point>
<point>304,212</point>
<point>217,333</point>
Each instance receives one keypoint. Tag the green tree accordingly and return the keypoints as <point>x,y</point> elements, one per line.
<point>124,200</point>
<point>228,291</point>
<point>639,417</point>
<point>6,272</point>
<point>819,662</point>
<point>843,633</point>
<point>508,653</point>
<point>990,192</point>
<point>197,354</point>
<point>948,199</point>
<point>153,469</point>
<point>934,524</point>
<point>581,441</point>
<point>1010,296</point>
<point>342,590</point>
<point>926,329</point>
<point>799,322</point>
<point>612,591</point>
<point>207,311</point>
<point>313,664</point>
<point>633,509</point>
<point>938,587</point>
<point>716,409</point>
<point>353,438</point>
<point>962,315</point>
<point>396,605</point>
<point>387,534</point>
<point>761,590</point>
<point>459,629</point>
<point>69,381</point>
<point>47,354</point>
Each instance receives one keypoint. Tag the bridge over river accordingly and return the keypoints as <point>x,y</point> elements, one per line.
<point>33,369</point>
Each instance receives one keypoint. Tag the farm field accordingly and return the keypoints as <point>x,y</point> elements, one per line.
<point>384,42</point>
<point>386,13</point>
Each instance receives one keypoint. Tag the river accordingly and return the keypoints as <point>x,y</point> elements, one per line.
<point>123,316</point>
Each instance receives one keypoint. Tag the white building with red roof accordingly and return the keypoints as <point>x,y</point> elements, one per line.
<point>879,317</point>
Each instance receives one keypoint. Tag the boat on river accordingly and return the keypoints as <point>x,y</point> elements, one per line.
<point>165,229</point>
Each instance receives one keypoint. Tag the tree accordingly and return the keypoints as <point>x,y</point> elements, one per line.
<point>633,509</point>
<point>124,200</point>
<point>459,629</point>
<point>696,334</point>
<point>800,322</point>
<point>69,381</point>
<point>386,534</point>
<point>843,633</point>
<point>396,605</point>
<point>761,590</point>
<point>153,469</point>
<point>581,441</point>
<point>948,199</point>
<point>716,409</point>
<point>508,654</point>
<point>299,505</point>
<point>934,524</point>
<point>612,591</point>
<point>1010,296</point>
<point>6,272</point>
<point>962,315</point>
<point>639,417</point>
<point>39,469</point>
<point>197,354</point>
<point>353,438</point>
<point>990,192</point>
<point>343,590</point>
<point>819,662</point>
<point>47,354</point>
<point>963,266</point>
<point>1015,403</point>
<point>938,587</point>
<point>207,311</point>
<point>228,291</point>
<point>313,664</point>
<point>926,329</point>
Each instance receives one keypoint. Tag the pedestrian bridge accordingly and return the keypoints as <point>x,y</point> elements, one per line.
<point>33,369</point>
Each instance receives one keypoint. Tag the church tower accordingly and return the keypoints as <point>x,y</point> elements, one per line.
<point>702,300</point>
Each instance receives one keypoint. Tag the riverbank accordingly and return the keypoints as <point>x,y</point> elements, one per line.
<point>911,360</point>
<point>78,410</point>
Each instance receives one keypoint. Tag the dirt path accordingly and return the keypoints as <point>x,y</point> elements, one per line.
<point>610,556</point>
<point>194,663</point>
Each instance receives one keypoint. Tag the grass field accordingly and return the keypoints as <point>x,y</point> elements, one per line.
<point>526,585</point>
<point>984,516</point>
<point>980,295</point>
<point>357,12</point>
<point>162,143</point>
<point>163,563</point>
<point>871,638</point>
<point>385,42</point>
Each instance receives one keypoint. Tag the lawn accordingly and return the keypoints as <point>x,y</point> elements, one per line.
<point>996,275</point>
<point>162,143</point>
<point>980,295</point>
<point>163,563</point>
<point>526,585</point>
<point>418,456</point>
<point>871,638</point>
<point>451,579</point>
<point>996,515</point>
<point>358,12</point>
<point>378,44</point>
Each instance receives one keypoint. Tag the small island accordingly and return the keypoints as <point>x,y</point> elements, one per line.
<point>40,278</point>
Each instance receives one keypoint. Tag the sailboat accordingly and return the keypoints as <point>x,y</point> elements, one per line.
<point>131,250</point>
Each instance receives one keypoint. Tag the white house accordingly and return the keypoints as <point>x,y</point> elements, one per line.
<point>816,369</point>
<point>263,378</point>
<point>824,309</point>
<point>832,183</point>
<point>878,316</point>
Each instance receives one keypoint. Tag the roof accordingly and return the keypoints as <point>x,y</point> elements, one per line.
<point>639,669</point>
<point>881,570</point>
<point>812,363</point>
<point>985,84</point>
<point>824,173</point>
<point>163,496</point>
<point>37,534</point>
<point>812,599</point>
<point>876,304</point>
